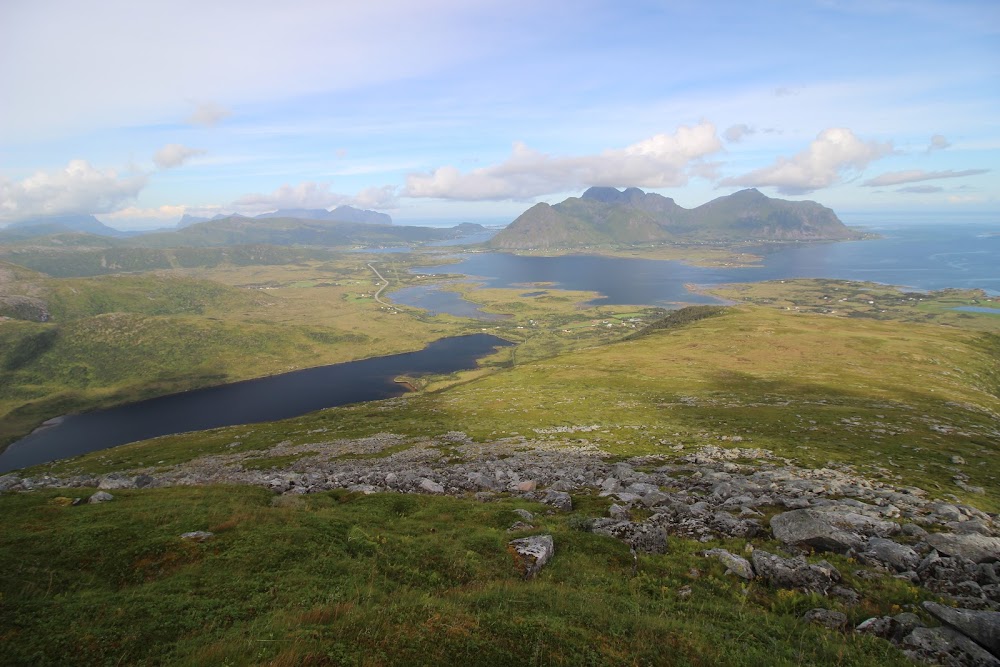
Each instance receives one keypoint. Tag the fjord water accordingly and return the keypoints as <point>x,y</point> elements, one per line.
<point>264,399</point>
<point>920,257</point>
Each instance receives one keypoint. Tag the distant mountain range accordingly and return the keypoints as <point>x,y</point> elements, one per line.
<point>607,216</point>
<point>60,224</point>
<point>344,226</point>
<point>339,214</point>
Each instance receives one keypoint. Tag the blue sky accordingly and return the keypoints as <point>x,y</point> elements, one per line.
<point>461,110</point>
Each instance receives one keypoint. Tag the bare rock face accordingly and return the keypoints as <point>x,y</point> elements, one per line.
<point>983,627</point>
<point>531,553</point>
<point>977,548</point>
<point>100,497</point>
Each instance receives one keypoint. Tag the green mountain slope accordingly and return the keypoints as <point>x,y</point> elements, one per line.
<point>606,216</point>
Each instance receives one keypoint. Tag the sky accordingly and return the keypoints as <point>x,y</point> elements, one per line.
<point>453,110</point>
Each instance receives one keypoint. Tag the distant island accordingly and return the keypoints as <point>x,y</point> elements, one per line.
<point>608,216</point>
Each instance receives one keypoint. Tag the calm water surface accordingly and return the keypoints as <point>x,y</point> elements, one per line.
<point>265,399</point>
<point>922,258</point>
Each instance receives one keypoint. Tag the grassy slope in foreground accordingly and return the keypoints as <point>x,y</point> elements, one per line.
<point>340,579</point>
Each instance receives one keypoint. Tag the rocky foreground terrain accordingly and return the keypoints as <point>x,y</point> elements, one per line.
<point>782,511</point>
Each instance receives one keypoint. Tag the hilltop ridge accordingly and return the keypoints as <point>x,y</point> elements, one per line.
<point>604,216</point>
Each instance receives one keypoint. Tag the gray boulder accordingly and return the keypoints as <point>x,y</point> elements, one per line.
<point>945,646</point>
<point>100,497</point>
<point>524,514</point>
<point>983,627</point>
<point>898,556</point>
<point>430,486</point>
<point>734,564</point>
<point>115,481</point>
<point>531,553</point>
<point>644,537</point>
<point>817,530</point>
<point>198,535</point>
<point>795,572</point>
<point>828,618</point>
<point>558,499</point>
<point>977,548</point>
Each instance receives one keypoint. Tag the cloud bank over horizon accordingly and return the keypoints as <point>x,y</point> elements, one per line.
<point>660,161</point>
<point>415,108</point>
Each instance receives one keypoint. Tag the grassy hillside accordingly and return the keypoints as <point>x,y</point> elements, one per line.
<point>336,578</point>
<point>342,579</point>
<point>896,401</point>
<point>121,338</point>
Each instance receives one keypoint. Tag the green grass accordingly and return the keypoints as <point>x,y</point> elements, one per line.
<point>338,579</point>
<point>896,401</point>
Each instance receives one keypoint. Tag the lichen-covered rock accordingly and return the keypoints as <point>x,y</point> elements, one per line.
<point>828,618</point>
<point>983,627</point>
<point>897,556</point>
<point>100,497</point>
<point>944,646</point>
<point>795,572</point>
<point>828,529</point>
<point>430,486</point>
<point>645,537</point>
<point>531,553</point>
<point>734,564</point>
<point>558,499</point>
<point>974,546</point>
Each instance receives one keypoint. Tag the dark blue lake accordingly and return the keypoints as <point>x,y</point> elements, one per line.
<point>918,257</point>
<point>265,399</point>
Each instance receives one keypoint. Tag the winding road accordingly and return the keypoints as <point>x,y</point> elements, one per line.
<point>378,294</point>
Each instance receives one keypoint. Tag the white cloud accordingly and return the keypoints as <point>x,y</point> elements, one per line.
<point>208,114</point>
<point>938,143</point>
<point>79,188</point>
<point>165,213</point>
<point>310,194</point>
<point>174,155</point>
<point>833,154</point>
<point>659,161</point>
<point>735,133</point>
<point>918,175</point>
<point>921,189</point>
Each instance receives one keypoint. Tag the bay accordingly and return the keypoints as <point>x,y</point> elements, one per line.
<point>919,257</point>
<point>264,399</point>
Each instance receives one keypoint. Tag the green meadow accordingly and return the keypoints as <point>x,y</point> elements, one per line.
<point>889,383</point>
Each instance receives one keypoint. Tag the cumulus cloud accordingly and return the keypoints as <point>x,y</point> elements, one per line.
<point>208,114</point>
<point>736,133</point>
<point>314,195</point>
<point>659,161</point>
<point>833,154</point>
<point>921,189</point>
<point>79,188</point>
<point>174,155</point>
<point>917,175</point>
<point>938,143</point>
